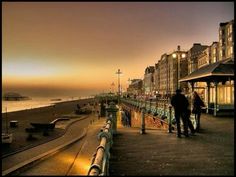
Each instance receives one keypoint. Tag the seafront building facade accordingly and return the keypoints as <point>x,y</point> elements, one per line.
<point>169,69</point>
<point>213,78</point>
<point>208,70</point>
<point>208,56</point>
<point>226,40</point>
<point>135,87</point>
<point>192,56</point>
<point>148,81</point>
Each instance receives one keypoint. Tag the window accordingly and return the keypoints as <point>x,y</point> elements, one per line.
<point>220,32</point>
<point>212,95</point>
<point>221,53</point>
<point>221,42</point>
<point>225,94</point>
<point>230,28</point>
<point>220,94</point>
<point>231,50</point>
<point>232,93</point>
<point>214,59</point>
<point>214,51</point>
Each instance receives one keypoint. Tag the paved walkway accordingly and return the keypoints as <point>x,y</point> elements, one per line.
<point>210,152</point>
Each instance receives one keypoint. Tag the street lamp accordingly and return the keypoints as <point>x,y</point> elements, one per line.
<point>118,74</point>
<point>176,55</point>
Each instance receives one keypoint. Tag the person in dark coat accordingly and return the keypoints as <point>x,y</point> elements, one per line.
<point>180,104</point>
<point>197,109</point>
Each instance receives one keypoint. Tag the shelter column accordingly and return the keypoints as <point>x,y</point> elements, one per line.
<point>208,97</point>
<point>191,95</point>
<point>215,104</point>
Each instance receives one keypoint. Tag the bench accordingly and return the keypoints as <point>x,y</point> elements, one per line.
<point>13,123</point>
<point>42,127</point>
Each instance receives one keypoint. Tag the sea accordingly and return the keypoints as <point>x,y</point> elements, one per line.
<point>35,102</point>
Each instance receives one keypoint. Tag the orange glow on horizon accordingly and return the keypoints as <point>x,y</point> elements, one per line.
<point>80,45</point>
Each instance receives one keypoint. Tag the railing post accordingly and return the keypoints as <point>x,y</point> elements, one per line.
<point>170,119</point>
<point>142,121</point>
<point>165,110</point>
<point>156,105</point>
<point>145,103</point>
<point>150,104</point>
<point>111,114</point>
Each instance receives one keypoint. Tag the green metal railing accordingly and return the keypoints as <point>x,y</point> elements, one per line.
<point>100,161</point>
<point>161,108</point>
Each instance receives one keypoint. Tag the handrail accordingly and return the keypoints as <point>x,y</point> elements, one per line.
<point>100,161</point>
<point>160,107</point>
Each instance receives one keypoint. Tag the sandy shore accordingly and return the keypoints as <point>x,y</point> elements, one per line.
<point>39,115</point>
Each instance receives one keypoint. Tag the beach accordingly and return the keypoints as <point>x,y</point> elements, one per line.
<point>37,115</point>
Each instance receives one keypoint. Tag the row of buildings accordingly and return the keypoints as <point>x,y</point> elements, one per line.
<point>209,70</point>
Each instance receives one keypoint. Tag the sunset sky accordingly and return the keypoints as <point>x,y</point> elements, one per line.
<point>77,47</point>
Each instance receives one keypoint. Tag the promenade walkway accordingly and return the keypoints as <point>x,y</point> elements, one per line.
<point>156,153</point>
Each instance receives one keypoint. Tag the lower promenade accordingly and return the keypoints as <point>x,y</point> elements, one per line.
<point>157,153</point>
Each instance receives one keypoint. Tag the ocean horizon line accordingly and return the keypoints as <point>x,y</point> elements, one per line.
<point>37,102</point>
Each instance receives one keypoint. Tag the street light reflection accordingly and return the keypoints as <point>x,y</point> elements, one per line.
<point>81,166</point>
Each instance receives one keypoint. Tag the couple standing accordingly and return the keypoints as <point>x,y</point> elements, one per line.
<point>181,106</point>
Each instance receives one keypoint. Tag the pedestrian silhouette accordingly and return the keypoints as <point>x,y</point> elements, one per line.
<point>189,122</point>
<point>197,109</point>
<point>180,104</point>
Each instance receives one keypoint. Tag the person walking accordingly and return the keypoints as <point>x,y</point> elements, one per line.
<point>197,109</point>
<point>180,104</point>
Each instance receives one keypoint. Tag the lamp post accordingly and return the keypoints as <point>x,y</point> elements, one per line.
<point>176,55</point>
<point>118,74</point>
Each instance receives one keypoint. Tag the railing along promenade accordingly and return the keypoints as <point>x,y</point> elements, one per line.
<point>100,161</point>
<point>160,108</point>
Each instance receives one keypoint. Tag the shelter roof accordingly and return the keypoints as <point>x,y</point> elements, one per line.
<point>217,71</point>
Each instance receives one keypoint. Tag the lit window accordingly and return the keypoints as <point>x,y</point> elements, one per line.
<point>214,59</point>
<point>221,53</point>
<point>214,50</point>
<point>231,50</point>
<point>230,28</point>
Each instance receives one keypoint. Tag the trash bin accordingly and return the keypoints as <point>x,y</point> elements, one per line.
<point>14,123</point>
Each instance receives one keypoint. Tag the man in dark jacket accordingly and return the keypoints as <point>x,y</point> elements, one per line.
<point>180,104</point>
